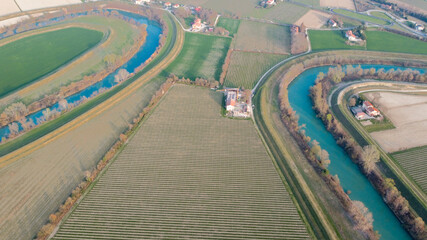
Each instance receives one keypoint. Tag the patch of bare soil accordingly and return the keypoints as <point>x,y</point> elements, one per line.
<point>313,19</point>
<point>348,4</point>
<point>409,116</point>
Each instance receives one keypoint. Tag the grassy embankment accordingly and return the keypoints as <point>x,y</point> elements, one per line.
<point>362,17</point>
<point>152,69</point>
<point>246,68</point>
<point>201,56</point>
<point>376,41</point>
<point>190,170</point>
<point>231,25</point>
<point>410,190</point>
<point>27,59</point>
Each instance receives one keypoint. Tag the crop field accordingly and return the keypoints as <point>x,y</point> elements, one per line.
<point>263,37</point>
<point>26,5</point>
<point>394,43</point>
<point>348,4</point>
<point>418,5</point>
<point>326,40</point>
<point>314,19</point>
<point>206,184</point>
<point>202,56</point>
<point>309,2</point>
<point>411,128</point>
<point>8,7</point>
<point>361,17</point>
<point>119,39</point>
<point>27,59</point>
<point>283,12</point>
<point>232,25</point>
<point>414,161</point>
<point>246,68</point>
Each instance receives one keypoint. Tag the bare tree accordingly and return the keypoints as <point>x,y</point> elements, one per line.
<point>370,156</point>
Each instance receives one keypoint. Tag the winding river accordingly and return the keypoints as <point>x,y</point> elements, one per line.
<point>349,174</point>
<point>150,45</point>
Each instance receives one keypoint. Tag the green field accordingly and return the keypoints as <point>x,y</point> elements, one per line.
<point>414,162</point>
<point>327,40</point>
<point>391,42</point>
<point>283,12</point>
<point>206,184</point>
<point>30,58</point>
<point>263,37</point>
<point>201,56</point>
<point>232,25</point>
<point>362,17</point>
<point>246,68</point>
<point>381,15</point>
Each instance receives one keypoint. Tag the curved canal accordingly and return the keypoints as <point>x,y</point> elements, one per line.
<point>349,174</point>
<point>150,45</point>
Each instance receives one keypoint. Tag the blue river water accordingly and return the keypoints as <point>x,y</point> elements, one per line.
<point>349,174</point>
<point>150,45</point>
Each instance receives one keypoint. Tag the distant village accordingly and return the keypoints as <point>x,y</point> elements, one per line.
<point>238,103</point>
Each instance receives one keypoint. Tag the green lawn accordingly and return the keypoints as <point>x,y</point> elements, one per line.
<point>361,17</point>
<point>381,15</point>
<point>246,68</point>
<point>28,59</point>
<point>188,21</point>
<point>201,56</point>
<point>391,42</point>
<point>326,40</point>
<point>232,25</point>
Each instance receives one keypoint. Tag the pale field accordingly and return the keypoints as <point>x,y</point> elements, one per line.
<point>36,185</point>
<point>409,116</point>
<point>314,19</point>
<point>348,4</point>
<point>11,21</point>
<point>415,5</point>
<point>8,7</point>
<point>120,36</point>
<point>27,5</point>
<point>188,173</point>
<point>263,37</point>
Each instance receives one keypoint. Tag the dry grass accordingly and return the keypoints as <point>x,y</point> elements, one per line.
<point>189,173</point>
<point>314,19</point>
<point>348,4</point>
<point>263,37</point>
<point>407,112</point>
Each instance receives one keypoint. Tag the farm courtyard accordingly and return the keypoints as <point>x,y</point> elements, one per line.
<point>200,175</point>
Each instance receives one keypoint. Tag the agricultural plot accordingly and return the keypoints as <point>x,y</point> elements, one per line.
<point>407,112</point>
<point>414,162</point>
<point>283,12</point>
<point>27,59</point>
<point>314,19</point>
<point>327,40</point>
<point>309,2</point>
<point>231,25</point>
<point>246,68</point>
<point>263,37</point>
<point>348,4</point>
<point>27,5</point>
<point>362,17</point>
<point>36,185</point>
<point>201,56</point>
<point>120,40</point>
<point>188,173</point>
<point>394,43</point>
<point>417,5</point>
<point>8,7</point>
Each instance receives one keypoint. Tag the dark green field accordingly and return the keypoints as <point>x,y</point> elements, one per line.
<point>201,56</point>
<point>28,59</point>
<point>232,25</point>
<point>327,40</point>
<point>391,42</point>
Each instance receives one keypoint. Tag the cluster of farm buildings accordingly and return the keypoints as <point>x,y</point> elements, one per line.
<point>365,111</point>
<point>237,103</point>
